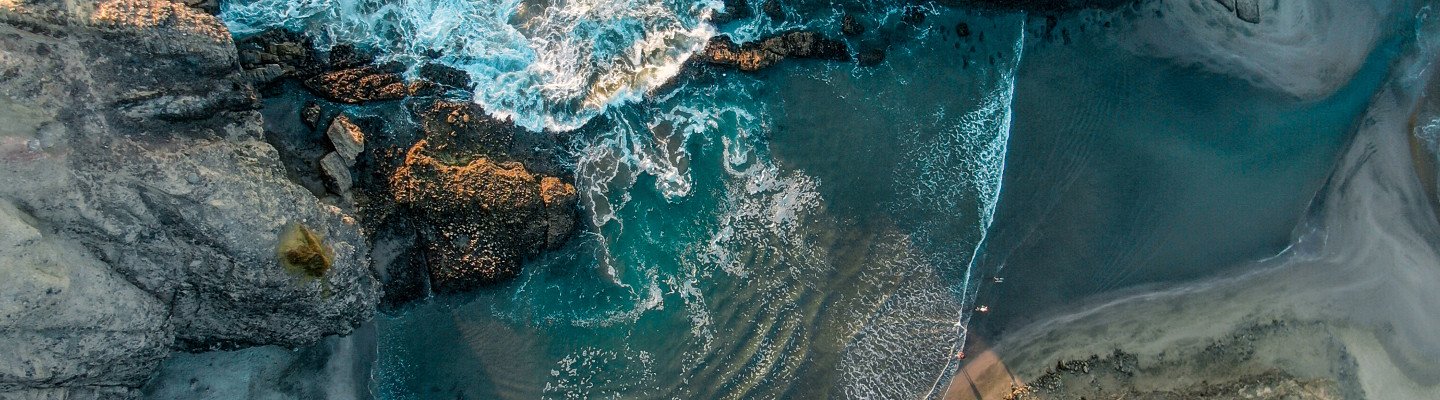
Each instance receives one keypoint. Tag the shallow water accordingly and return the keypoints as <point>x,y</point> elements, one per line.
<point>1128,169</point>
<point>722,267</point>
<point>822,229</point>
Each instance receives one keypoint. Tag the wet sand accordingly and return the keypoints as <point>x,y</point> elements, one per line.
<point>1347,311</point>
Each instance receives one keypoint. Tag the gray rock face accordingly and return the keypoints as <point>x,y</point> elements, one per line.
<point>140,207</point>
<point>62,304</point>
<point>337,172</point>
<point>348,139</point>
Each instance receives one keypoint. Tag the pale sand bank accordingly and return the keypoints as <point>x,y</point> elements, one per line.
<point>1350,310</point>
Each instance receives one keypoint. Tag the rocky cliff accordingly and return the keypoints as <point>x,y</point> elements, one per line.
<point>142,211</point>
<point>152,200</point>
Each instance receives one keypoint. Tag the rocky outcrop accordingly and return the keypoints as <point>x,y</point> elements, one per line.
<point>412,170</point>
<point>361,84</point>
<point>142,210</point>
<point>761,54</point>
<point>477,216</point>
<point>445,76</point>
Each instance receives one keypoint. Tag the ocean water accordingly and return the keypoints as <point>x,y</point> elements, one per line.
<point>824,230</point>
<point>1136,170</point>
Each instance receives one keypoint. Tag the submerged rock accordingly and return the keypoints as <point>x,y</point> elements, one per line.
<point>1246,10</point>
<point>913,16</point>
<point>870,57</point>
<point>754,56</point>
<point>850,26</point>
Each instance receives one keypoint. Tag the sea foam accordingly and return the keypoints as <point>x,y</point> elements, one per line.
<point>547,65</point>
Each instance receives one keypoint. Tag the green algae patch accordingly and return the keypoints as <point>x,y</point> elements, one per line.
<point>303,252</point>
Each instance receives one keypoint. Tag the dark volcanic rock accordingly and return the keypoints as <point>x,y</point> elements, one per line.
<point>359,85</point>
<point>445,75</point>
<point>560,199</point>
<point>734,10</point>
<point>482,218</point>
<point>462,131</point>
<point>773,10</point>
<point>310,115</point>
<point>962,29</point>
<point>208,6</point>
<point>850,26</point>
<point>754,56</point>
<point>345,55</point>
<point>871,57</point>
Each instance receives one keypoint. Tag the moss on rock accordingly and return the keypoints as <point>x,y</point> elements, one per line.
<point>303,252</point>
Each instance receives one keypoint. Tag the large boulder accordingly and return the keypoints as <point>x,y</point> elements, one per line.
<point>143,206</point>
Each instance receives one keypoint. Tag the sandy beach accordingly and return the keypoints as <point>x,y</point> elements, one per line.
<point>1347,311</point>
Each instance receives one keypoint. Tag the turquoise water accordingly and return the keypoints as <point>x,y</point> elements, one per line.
<point>747,245</point>
<point>822,230</point>
<point>1136,170</point>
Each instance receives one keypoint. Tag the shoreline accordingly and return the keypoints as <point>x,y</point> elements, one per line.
<point>1344,312</point>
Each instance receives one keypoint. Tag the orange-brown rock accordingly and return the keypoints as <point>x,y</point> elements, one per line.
<point>461,131</point>
<point>757,55</point>
<point>361,84</point>
<point>479,220</point>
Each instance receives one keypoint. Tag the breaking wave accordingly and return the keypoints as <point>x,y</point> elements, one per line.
<point>546,64</point>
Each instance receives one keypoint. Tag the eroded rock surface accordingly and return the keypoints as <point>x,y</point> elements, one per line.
<point>758,55</point>
<point>361,84</point>
<point>477,215</point>
<point>143,205</point>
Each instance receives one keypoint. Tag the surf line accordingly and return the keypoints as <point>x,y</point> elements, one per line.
<point>1001,145</point>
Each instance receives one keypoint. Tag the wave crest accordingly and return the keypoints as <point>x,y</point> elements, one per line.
<point>546,64</point>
